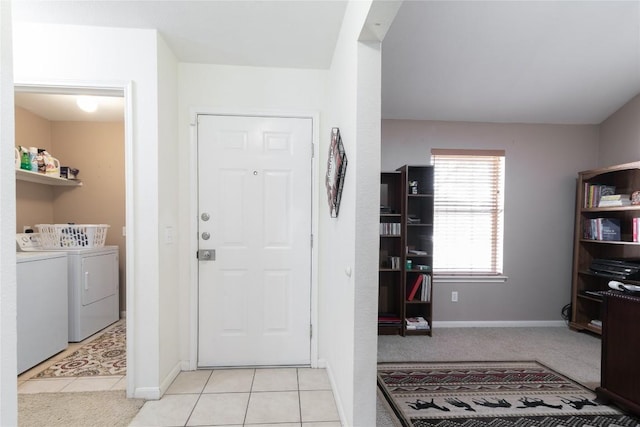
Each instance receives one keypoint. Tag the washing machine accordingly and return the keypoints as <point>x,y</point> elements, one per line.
<point>42,306</point>
<point>92,287</point>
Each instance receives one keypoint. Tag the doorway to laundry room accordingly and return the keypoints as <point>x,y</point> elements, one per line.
<point>71,200</point>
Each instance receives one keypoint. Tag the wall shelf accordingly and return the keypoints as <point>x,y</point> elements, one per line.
<point>39,178</point>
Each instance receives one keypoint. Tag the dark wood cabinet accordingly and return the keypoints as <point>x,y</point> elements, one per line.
<point>620,370</point>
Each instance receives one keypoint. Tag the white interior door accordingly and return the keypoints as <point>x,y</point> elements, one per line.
<point>254,195</point>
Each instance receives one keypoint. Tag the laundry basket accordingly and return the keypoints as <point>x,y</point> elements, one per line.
<point>72,236</point>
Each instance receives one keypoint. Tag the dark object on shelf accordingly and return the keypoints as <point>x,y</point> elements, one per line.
<point>616,268</point>
<point>593,294</point>
<point>69,172</point>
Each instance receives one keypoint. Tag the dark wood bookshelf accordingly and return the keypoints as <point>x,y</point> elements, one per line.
<point>398,203</point>
<point>626,179</point>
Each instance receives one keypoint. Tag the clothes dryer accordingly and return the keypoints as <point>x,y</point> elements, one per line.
<point>94,295</point>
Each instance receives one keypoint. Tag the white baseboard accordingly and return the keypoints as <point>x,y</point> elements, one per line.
<point>164,385</point>
<point>155,393</point>
<point>500,324</point>
<point>334,388</point>
<point>147,393</point>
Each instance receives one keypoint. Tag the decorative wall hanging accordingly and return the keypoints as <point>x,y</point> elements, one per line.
<point>336,169</point>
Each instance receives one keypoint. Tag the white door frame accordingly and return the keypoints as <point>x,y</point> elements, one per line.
<point>124,88</point>
<point>193,220</point>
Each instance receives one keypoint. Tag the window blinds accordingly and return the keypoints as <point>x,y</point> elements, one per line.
<point>469,208</point>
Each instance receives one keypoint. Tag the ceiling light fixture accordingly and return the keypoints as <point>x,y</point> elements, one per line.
<point>87,103</point>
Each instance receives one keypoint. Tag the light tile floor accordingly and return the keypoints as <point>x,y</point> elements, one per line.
<point>286,397</point>
<point>282,397</point>
<point>28,383</point>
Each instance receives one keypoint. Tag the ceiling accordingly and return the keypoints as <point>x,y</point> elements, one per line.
<point>63,107</point>
<point>528,62</point>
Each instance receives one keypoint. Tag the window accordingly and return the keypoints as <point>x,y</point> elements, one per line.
<point>469,209</point>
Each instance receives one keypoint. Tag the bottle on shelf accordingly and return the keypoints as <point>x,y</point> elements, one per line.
<point>25,160</point>
<point>33,159</point>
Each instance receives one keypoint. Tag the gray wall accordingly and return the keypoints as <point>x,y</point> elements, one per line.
<point>620,135</point>
<point>542,162</point>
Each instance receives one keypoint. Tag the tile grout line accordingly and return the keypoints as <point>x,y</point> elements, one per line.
<point>299,398</point>
<point>198,399</point>
<point>246,409</point>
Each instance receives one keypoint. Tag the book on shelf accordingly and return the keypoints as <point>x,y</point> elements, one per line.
<point>416,252</point>
<point>390,228</point>
<point>425,294</point>
<point>423,284</point>
<point>391,262</point>
<point>635,223</point>
<point>593,193</point>
<point>414,288</point>
<point>609,229</point>
<point>417,323</point>
<point>606,229</point>
<point>389,319</point>
<point>612,200</point>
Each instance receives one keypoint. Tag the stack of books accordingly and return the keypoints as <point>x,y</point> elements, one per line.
<point>417,324</point>
<point>612,200</point>
<point>388,319</point>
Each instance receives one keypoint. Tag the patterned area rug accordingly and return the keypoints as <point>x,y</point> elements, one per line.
<point>104,355</point>
<point>496,394</point>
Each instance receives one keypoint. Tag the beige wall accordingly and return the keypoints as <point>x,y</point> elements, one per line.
<point>34,202</point>
<point>97,150</point>
<point>542,162</point>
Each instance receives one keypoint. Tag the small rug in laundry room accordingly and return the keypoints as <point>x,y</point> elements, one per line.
<point>105,355</point>
<point>481,394</point>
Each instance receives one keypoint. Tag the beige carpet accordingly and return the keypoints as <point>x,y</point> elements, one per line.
<point>96,408</point>
<point>575,355</point>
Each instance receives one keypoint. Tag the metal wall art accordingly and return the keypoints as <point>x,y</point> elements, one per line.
<point>336,170</point>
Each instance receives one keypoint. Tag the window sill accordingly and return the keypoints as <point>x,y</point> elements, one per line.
<point>443,278</point>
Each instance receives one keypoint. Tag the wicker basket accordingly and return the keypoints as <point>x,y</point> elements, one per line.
<point>72,236</point>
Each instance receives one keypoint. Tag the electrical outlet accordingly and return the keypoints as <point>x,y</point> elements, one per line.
<point>454,296</point>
